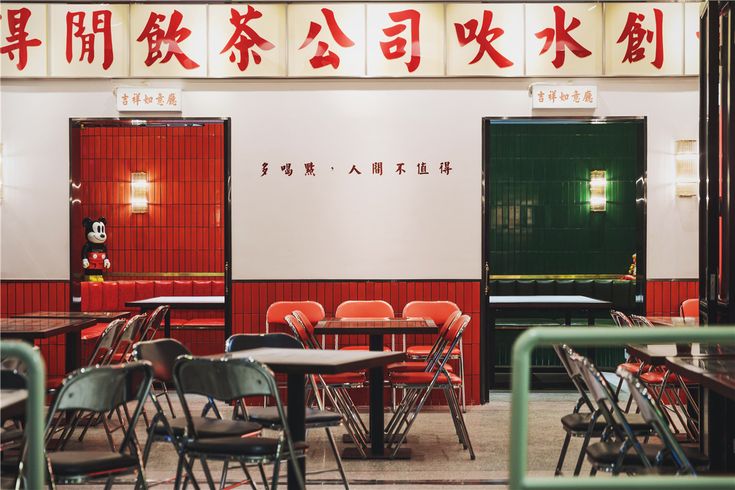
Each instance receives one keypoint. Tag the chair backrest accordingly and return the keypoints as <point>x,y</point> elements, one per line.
<point>564,352</point>
<point>130,334</point>
<point>438,311</point>
<point>155,318</point>
<point>299,331</point>
<point>689,308</point>
<point>451,339</point>
<point>104,388</point>
<point>243,341</point>
<point>226,379</point>
<point>620,319</point>
<point>652,416</point>
<point>106,342</point>
<point>162,354</point>
<point>640,321</point>
<point>364,309</point>
<point>276,313</point>
<point>309,327</point>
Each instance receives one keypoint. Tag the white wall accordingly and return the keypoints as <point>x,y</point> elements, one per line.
<point>335,225</point>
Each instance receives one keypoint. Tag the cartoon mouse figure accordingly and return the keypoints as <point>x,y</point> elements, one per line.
<point>94,252</point>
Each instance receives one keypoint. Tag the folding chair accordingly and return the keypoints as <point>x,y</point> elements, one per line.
<point>100,390</point>
<point>229,380</point>
<point>375,308</point>
<point>155,318</point>
<point>418,386</point>
<point>162,355</point>
<point>585,425</point>
<point>268,416</point>
<point>685,460</point>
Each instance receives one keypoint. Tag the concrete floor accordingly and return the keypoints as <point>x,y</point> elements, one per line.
<point>438,460</point>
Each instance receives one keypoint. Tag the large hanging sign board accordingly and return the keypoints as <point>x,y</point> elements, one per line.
<point>405,40</point>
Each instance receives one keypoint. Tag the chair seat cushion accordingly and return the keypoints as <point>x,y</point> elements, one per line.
<point>579,422</point>
<point>631,367</point>
<point>416,366</point>
<point>210,427</point>
<point>657,377</point>
<point>424,350</point>
<point>361,347</point>
<point>93,333</point>
<point>239,446</point>
<point>269,416</point>
<point>414,378</point>
<point>70,463</point>
<point>344,378</point>
<point>606,453</point>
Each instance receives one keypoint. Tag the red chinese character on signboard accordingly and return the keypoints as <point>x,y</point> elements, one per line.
<point>19,40</point>
<point>445,168</point>
<point>399,168</point>
<point>635,34</point>
<point>324,56</point>
<point>171,100</point>
<point>378,168</point>
<point>484,36</point>
<point>396,48</point>
<point>244,38</point>
<point>354,170</point>
<point>287,169</point>
<point>421,168</point>
<point>75,29</point>
<point>264,169</point>
<point>563,39</point>
<point>309,168</point>
<point>172,36</point>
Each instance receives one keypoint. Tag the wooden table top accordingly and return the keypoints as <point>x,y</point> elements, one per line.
<point>716,372</point>
<point>301,361</point>
<point>548,302</point>
<point>375,326</point>
<point>41,328</point>
<point>99,316</point>
<point>183,302</point>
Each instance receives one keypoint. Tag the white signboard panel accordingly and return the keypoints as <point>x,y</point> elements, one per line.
<point>484,39</point>
<point>89,40</point>
<point>146,99</point>
<point>23,40</point>
<point>326,40</point>
<point>547,96</point>
<point>644,39</point>
<point>247,40</point>
<point>691,38</point>
<point>168,40</point>
<point>405,40</point>
<point>564,39</point>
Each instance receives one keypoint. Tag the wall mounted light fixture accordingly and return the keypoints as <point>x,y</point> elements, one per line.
<point>598,191</point>
<point>139,192</point>
<point>687,174</point>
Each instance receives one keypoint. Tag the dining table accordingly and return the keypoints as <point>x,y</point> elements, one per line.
<point>97,316</point>
<point>12,403</point>
<point>376,329</point>
<point>714,373</point>
<point>297,364</point>
<point>178,303</point>
<point>30,329</point>
<point>505,305</point>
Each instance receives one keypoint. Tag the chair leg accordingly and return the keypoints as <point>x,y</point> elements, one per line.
<point>262,475</point>
<point>337,458</point>
<point>462,424</point>
<point>461,375</point>
<point>207,473</point>
<point>223,476</point>
<point>582,451</point>
<point>563,454</point>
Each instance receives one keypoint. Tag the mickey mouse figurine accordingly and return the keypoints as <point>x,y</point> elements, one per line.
<point>94,252</point>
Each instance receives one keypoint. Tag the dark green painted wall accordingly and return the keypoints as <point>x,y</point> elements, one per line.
<point>539,214</point>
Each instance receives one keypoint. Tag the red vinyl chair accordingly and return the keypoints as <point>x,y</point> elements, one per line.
<point>276,313</point>
<point>689,308</point>
<point>364,309</point>
<point>441,312</point>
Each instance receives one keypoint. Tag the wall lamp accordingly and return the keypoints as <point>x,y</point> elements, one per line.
<point>598,191</point>
<point>687,175</point>
<point>139,192</point>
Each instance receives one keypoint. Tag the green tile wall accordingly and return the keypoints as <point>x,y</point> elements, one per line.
<point>539,214</point>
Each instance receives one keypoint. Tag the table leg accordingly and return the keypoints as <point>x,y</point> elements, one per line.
<point>296,422</point>
<point>489,357</point>
<point>167,324</point>
<point>73,350</point>
<point>719,439</point>
<point>377,416</point>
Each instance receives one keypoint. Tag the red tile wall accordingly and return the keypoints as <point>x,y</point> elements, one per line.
<point>250,300</point>
<point>663,296</point>
<point>24,296</point>
<point>183,230</point>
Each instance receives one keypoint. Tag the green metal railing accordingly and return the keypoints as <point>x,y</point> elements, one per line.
<point>593,337</point>
<point>35,467</point>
